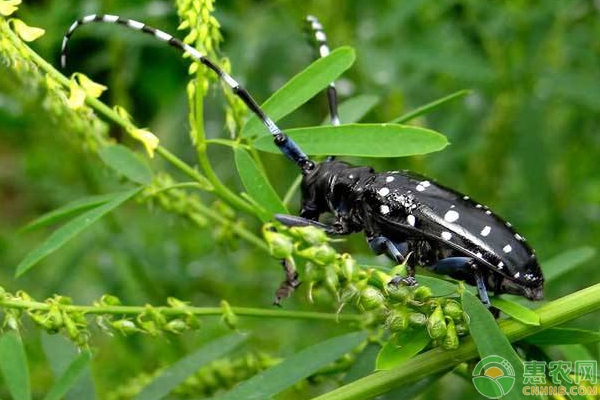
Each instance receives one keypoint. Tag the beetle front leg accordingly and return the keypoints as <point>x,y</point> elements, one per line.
<point>467,265</point>
<point>397,252</point>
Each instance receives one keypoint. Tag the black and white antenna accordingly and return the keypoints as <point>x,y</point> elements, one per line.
<point>283,142</point>
<point>320,38</point>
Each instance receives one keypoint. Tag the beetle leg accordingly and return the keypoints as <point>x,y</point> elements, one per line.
<point>397,252</point>
<point>450,265</point>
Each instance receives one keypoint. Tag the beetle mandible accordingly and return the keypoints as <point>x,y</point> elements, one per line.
<point>406,216</point>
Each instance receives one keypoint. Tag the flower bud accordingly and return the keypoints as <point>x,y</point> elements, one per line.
<point>397,320</point>
<point>124,326</point>
<point>371,298</point>
<point>399,293</point>
<point>379,279</point>
<point>436,324</point>
<point>310,234</point>
<point>461,328</point>
<point>109,300</point>
<point>450,341</point>
<point>313,273</point>
<point>332,282</point>
<point>349,292</point>
<point>322,254</point>
<point>453,310</point>
<point>422,293</point>
<point>349,267</point>
<point>280,245</point>
<point>229,317</point>
<point>417,319</point>
<point>399,270</point>
<point>176,326</point>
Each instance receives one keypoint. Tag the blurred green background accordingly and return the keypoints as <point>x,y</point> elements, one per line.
<point>526,142</point>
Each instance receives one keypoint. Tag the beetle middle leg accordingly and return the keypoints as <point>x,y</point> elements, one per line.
<point>397,252</point>
<point>466,265</point>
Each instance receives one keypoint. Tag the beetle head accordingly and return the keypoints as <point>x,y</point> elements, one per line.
<point>315,188</point>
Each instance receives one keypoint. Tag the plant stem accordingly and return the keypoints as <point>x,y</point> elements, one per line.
<point>554,313</point>
<point>182,311</point>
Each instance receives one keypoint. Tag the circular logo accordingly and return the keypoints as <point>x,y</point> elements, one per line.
<point>493,377</point>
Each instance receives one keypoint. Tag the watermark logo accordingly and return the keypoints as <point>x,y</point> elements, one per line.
<point>493,377</point>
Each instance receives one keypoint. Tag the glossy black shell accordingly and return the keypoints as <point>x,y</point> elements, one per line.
<point>437,222</point>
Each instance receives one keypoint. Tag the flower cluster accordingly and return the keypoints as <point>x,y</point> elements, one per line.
<point>57,314</point>
<point>398,307</point>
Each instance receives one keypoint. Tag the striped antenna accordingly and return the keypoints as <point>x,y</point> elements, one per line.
<point>282,141</point>
<point>320,39</point>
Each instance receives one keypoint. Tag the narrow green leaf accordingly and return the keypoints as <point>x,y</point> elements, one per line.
<point>554,336</point>
<point>168,380</point>
<point>363,140</point>
<point>70,376</point>
<point>257,185</point>
<point>13,363</point>
<point>68,231</point>
<point>294,368</point>
<point>517,311</point>
<point>68,210</point>
<point>126,163</point>
<point>429,107</point>
<point>490,340</point>
<point>566,262</point>
<point>364,363</point>
<point>302,88</point>
<point>402,348</point>
<point>354,109</point>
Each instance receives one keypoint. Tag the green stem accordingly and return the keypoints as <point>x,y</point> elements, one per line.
<point>105,110</point>
<point>292,190</point>
<point>554,313</point>
<point>182,311</point>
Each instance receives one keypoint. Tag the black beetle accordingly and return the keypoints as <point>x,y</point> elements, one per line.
<point>404,215</point>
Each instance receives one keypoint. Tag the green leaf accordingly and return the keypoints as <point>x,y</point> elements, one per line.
<point>363,140</point>
<point>402,348</point>
<point>439,287</point>
<point>354,109</point>
<point>13,362</point>
<point>257,185</point>
<point>68,210</point>
<point>170,378</point>
<point>429,107</point>
<point>566,262</point>
<point>126,163</point>
<point>71,229</point>
<point>517,311</point>
<point>294,368</point>
<point>302,88</point>
<point>70,376</point>
<point>490,340</point>
<point>554,336</point>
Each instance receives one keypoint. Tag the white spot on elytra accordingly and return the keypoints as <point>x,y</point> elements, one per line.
<point>519,237</point>
<point>451,216</point>
<point>466,197</point>
<point>507,248</point>
<point>389,179</point>
<point>509,224</point>
<point>420,188</point>
<point>411,220</point>
<point>478,254</point>
<point>500,264</point>
<point>351,176</point>
<point>426,184</point>
<point>488,212</point>
<point>384,209</point>
<point>478,206</point>
<point>486,231</point>
<point>518,274</point>
<point>446,235</point>
<point>383,191</point>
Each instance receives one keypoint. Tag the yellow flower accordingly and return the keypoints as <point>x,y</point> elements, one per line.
<point>148,139</point>
<point>77,96</point>
<point>92,88</point>
<point>26,32</point>
<point>8,7</point>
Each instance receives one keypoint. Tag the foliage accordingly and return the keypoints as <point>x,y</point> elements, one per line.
<point>117,199</point>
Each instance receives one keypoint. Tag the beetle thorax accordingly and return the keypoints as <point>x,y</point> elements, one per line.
<point>332,186</point>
